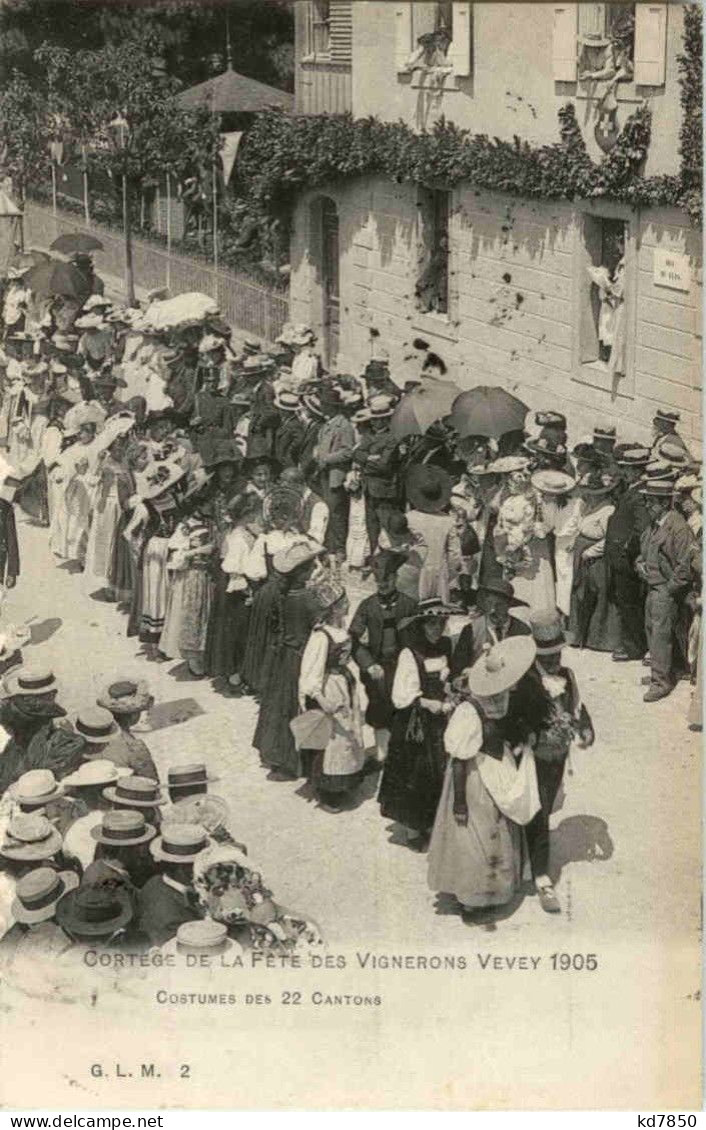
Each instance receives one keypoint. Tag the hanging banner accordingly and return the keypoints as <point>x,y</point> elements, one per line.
<point>229,152</point>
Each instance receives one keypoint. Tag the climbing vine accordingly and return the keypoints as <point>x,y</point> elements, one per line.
<point>690,134</point>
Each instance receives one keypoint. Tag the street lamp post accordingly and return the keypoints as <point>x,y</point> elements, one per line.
<point>119,133</point>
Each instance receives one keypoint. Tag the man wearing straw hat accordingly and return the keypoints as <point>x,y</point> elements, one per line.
<point>168,899</point>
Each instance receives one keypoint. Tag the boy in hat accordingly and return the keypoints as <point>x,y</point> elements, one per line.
<point>664,430</point>
<point>30,715</point>
<point>333,454</point>
<point>128,700</point>
<point>377,642</point>
<point>547,703</point>
<point>104,738</point>
<point>491,623</point>
<point>313,511</point>
<point>168,899</point>
<point>622,545</point>
<point>191,802</point>
<point>377,456</point>
<point>665,565</point>
<point>290,433</point>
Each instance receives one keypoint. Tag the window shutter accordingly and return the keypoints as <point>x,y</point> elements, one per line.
<point>650,44</point>
<point>592,20</point>
<point>403,34</point>
<point>341,31</point>
<point>564,46</point>
<point>460,49</point>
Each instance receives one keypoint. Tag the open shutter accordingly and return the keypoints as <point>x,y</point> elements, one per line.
<point>564,46</point>
<point>460,49</point>
<point>403,34</point>
<point>341,31</point>
<point>650,44</point>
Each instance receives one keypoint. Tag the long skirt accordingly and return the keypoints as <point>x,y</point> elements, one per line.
<point>413,776</point>
<point>535,583</point>
<point>154,589</point>
<point>101,544</point>
<point>593,620</point>
<point>33,496</point>
<point>75,521</point>
<point>260,647</point>
<point>227,630</point>
<point>478,862</point>
<point>280,703</point>
<point>122,569</point>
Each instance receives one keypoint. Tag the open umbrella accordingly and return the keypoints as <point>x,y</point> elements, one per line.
<point>487,410</point>
<point>76,243</point>
<point>183,310</point>
<point>52,278</point>
<point>423,406</point>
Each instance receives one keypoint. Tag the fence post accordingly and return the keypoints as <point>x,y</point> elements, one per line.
<point>169,231</point>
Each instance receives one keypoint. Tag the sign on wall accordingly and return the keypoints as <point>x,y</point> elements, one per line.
<point>671,270</point>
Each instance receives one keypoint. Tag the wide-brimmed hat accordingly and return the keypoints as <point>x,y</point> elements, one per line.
<point>658,488</point>
<point>290,558</point>
<point>202,936</point>
<point>659,470</point>
<point>596,483</point>
<point>661,416</point>
<point>37,786</point>
<point>136,792</point>
<point>631,455</point>
<point>604,433</point>
<point>180,843</point>
<point>672,452</point>
<point>553,482</point>
<point>188,775</point>
<point>433,608</point>
<point>30,680</point>
<point>428,488</point>
<point>312,402</point>
<point>126,696</point>
<point>95,725</point>
<point>287,401</point>
<point>90,322</point>
<point>224,451</point>
<point>65,343</point>
<point>82,414</point>
<point>97,302</point>
<point>547,632</point>
<point>29,836</point>
<point>38,892</point>
<point>126,828</point>
<point>501,587</point>
<point>380,406</point>
<point>210,342</point>
<point>589,454</point>
<point>95,911</point>
<point>547,418</point>
<point>161,478</point>
<point>508,464</point>
<point>501,666</point>
<point>99,771</point>
<point>257,363</point>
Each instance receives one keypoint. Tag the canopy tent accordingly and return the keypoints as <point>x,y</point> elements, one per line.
<point>10,230</point>
<point>232,93</point>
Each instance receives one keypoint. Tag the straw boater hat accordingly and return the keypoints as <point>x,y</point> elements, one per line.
<point>210,811</point>
<point>37,786</point>
<point>501,666</point>
<point>287,401</point>
<point>95,911</point>
<point>428,488</point>
<point>65,343</point>
<point>203,937</point>
<point>631,455</point>
<point>136,792</point>
<point>553,482</point>
<point>180,843</point>
<point>286,560</point>
<point>90,322</point>
<point>38,892</point>
<point>97,302</point>
<point>126,696</point>
<point>658,470</point>
<point>658,488</point>
<point>30,836</point>
<point>431,609</point>
<point>30,680</point>
<point>123,829</point>
<point>663,417</point>
<point>547,632</point>
<point>100,771</point>
<point>508,464</point>
<point>312,402</point>
<point>95,725</point>
<point>672,452</point>
<point>546,443</point>
<point>604,434</point>
<point>186,776</point>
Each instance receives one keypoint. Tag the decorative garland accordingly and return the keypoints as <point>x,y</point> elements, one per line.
<point>283,156</point>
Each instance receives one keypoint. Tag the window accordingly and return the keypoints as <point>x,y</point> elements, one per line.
<point>603,323</point>
<point>606,42</point>
<point>432,286</point>
<point>319,27</point>
<point>433,37</point>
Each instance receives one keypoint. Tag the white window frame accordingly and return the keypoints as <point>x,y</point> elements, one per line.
<point>313,9</point>
<point>460,52</point>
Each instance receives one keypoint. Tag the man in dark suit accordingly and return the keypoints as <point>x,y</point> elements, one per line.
<point>622,546</point>
<point>665,565</point>
<point>168,900</point>
<point>377,641</point>
<point>377,456</point>
<point>491,623</point>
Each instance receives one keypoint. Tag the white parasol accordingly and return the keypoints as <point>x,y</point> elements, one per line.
<point>183,310</point>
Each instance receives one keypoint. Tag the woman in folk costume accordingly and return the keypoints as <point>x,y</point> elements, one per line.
<point>112,488</point>
<point>561,509</point>
<point>189,564</point>
<point>154,520</point>
<point>413,775</point>
<point>327,683</point>
<point>434,530</point>
<point>295,613</point>
<point>76,466</point>
<point>281,530</point>
<point>122,569</point>
<point>36,496</point>
<point>96,336</point>
<point>377,642</point>
<point>29,421</point>
<point>593,620</point>
<point>474,853</point>
<point>520,536</point>
<point>230,614</point>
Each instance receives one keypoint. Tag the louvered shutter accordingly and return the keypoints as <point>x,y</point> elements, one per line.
<point>564,46</point>
<point>650,44</point>
<point>461,47</point>
<point>403,34</point>
<point>341,39</point>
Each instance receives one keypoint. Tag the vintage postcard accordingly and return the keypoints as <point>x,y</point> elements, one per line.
<point>350,555</point>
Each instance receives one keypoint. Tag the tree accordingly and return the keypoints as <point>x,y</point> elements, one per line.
<point>24,133</point>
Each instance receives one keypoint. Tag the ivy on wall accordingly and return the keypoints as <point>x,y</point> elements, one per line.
<point>283,156</point>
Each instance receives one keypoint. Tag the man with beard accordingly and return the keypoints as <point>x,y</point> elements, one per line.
<point>491,624</point>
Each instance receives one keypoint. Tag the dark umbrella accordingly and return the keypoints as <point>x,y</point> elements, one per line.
<point>76,243</point>
<point>422,407</point>
<point>52,278</point>
<point>487,411</point>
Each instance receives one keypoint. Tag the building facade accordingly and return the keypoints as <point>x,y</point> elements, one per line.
<point>590,306</point>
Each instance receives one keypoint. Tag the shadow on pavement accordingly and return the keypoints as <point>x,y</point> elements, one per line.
<point>579,839</point>
<point>166,714</point>
<point>40,633</point>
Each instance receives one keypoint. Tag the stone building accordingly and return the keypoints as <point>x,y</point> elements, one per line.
<point>588,305</point>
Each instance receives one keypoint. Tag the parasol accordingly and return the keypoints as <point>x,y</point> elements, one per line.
<point>52,278</point>
<point>487,410</point>
<point>423,406</point>
<point>182,310</point>
<point>76,243</point>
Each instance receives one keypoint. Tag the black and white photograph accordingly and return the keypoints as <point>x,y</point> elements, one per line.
<point>350,554</point>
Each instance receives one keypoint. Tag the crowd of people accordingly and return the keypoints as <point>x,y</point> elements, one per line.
<point>399,601</point>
